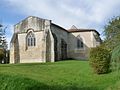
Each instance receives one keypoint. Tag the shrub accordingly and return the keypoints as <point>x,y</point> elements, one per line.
<point>100,60</point>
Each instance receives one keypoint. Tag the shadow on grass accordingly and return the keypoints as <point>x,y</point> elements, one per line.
<point>8,82</point>
<point>58,87</point>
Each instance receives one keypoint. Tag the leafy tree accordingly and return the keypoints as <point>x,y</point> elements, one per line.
<point>112,41</point>
<point>3,44</point>
<point>112,33</point>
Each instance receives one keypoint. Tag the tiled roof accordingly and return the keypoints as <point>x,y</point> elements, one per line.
<point>82,30</point>
<point>76,30</point>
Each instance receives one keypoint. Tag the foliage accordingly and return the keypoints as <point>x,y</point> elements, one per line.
<point>112,33</point>
<point>100,60</point>
<point>116,58</point>
<point>3,44</point>
<point>63,75</point>
<point>2,54</point>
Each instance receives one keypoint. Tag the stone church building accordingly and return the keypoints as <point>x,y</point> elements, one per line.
<point>39,40</point>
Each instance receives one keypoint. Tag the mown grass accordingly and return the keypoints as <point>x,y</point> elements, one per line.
<point>63,75</point>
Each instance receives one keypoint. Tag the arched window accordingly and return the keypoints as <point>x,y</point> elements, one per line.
<point>80,42</point>
<point>30,39</point>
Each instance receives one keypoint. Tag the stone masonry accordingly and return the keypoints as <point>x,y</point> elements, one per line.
<point>39,40</point>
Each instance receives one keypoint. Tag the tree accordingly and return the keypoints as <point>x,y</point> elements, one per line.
<point>115,63</point>
<point>112,41</point>
<point>3,44</point>
<point>112,33</point>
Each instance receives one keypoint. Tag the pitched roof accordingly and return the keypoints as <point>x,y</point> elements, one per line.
<point>82,30</point>
<point>60,27</point>
<point>73,27</point>
<point>72,30</point>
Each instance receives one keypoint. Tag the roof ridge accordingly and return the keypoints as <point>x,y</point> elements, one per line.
<point>73,27</point>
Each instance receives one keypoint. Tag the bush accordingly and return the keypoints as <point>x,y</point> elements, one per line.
<point>100,60</point>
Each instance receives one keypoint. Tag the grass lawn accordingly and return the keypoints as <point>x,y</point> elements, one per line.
<point>63,75</point>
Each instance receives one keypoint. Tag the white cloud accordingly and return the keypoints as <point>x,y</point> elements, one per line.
<point>82,13</point>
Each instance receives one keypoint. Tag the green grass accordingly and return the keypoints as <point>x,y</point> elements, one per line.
<point>63,75</point>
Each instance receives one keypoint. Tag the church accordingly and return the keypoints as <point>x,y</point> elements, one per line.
<point>38,40</point>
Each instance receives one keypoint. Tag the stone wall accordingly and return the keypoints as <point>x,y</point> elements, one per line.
<point>30,22</point>
<point>32,53</point>
<point>88,41</point>
<point>14,50</point>
<point>12,53</point>
<point>60,34</point>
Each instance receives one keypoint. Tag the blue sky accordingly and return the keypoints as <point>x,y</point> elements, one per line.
<point>81,13</point>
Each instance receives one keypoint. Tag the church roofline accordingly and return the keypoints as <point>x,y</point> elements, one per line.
<point>82,30</point>
<point>68,31</point>
<point>29,17</point>
<point>60,27</point>
<point>76,30</point>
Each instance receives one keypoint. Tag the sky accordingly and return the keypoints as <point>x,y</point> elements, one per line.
<point>94,14</point>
